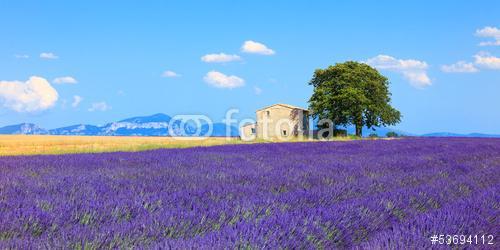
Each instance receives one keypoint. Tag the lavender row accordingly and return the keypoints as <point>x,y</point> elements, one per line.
<point>368,194</point>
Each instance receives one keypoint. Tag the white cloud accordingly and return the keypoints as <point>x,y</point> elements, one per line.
<point>459,67</point>
<point>220,80</point>
<point>21,56</point>
<point>65,79</point>
<point>492,32</point>
<point>170,74</point>
<point>48,55</point>
<point>76,101</point>
<point>413,70</point>
<point>257,90</point>
<point>220,58</point>
<point>256,48</point>
<point>486,60</point>
<point>99,106</point>
<point>36,94</point>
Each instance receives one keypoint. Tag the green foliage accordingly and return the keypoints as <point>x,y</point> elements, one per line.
<point>340,132</point>
<point>354,137</point>
<point>352,93</point>
<point>392,134</point>
<point>373,135</point>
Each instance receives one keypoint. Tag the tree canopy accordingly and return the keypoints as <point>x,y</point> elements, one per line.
<point>352,93</point>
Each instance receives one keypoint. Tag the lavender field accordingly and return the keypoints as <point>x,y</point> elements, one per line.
<point>367,194</point>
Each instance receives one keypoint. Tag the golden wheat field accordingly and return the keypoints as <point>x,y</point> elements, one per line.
<point>55,144</point>
<point>62,144</point>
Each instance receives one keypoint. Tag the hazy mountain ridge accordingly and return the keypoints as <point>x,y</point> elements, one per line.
<point>379,131</point>
<point>158,125</point>
<point>81,129</point>
<point>23,129</point>
<point>447,134</point>
<point>154,125</point>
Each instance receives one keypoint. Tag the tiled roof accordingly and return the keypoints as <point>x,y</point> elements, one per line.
<point>284,105</point>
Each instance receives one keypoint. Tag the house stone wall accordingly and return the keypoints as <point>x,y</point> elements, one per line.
<point>281,121</point>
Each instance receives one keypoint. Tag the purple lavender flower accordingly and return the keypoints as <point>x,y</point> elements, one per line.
<point>368,194</point>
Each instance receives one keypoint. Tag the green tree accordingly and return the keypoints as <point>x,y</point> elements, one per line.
<point>392,134</point>
<point>352,93</point>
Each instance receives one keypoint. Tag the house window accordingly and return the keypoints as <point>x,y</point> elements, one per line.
<point>253,131</point>
<point>284,132</point>
<point>268,113</point>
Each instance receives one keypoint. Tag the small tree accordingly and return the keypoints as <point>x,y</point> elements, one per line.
<point>352,93</point>
<point>392,134</point>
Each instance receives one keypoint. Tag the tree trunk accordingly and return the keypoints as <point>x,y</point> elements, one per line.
<point>359,130</point>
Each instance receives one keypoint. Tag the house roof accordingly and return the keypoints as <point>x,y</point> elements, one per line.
<point>284,105</point>
<point>248,124</point>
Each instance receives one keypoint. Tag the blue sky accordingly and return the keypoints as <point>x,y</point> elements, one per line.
<point>115,55</point>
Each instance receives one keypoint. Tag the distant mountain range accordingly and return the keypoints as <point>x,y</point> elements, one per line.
<point>154,125</point>
<point>447,134</point>
<point>379,131</point>
<point>24,129</point>
<point>382,131</point>
<point>158,125</point>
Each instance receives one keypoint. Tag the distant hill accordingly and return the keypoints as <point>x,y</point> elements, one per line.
<point>447,134</point>
<point>154,125</point>
<point>379,131</point>
<point>382,131</point>
<point>81,129</point>
<point>23,129</point>
<point>158,125</point>
<point>146,119</point>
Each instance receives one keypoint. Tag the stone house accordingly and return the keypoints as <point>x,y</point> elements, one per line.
<point>277,121</point>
